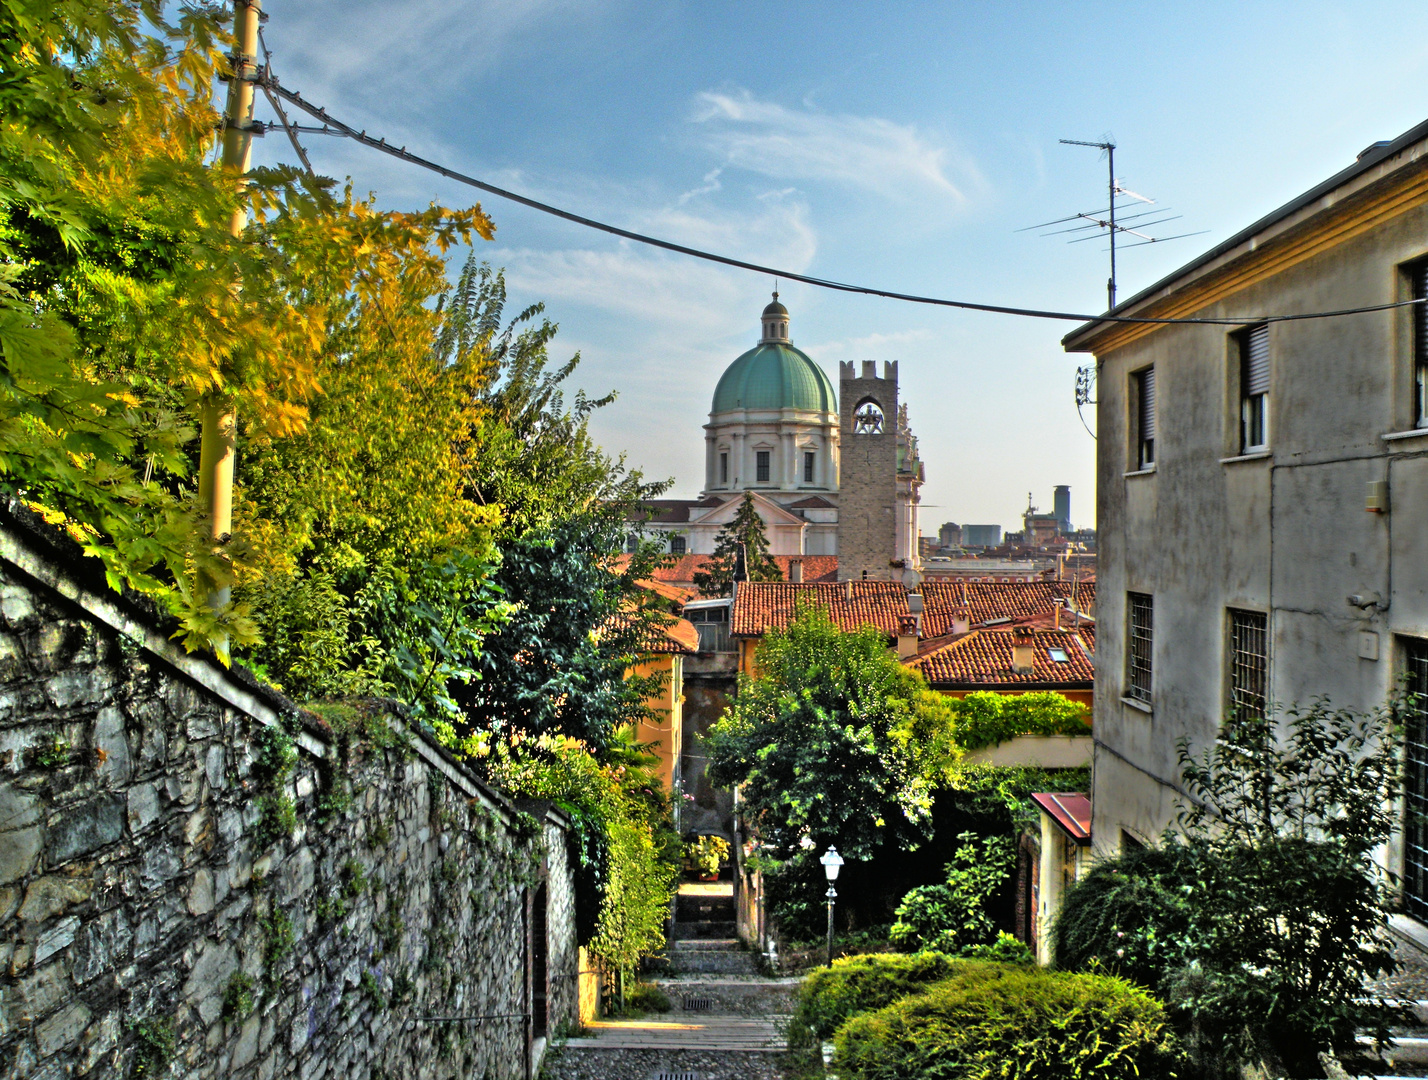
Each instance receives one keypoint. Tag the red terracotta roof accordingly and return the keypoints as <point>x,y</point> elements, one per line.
<point>985,600</point>
<point>759,605</point>
<point>676,636</point>
<point>681,570</point>
<point>884,603</point>
<point>813,502</point>
<point>1069,809</point>
<point>983,659</point>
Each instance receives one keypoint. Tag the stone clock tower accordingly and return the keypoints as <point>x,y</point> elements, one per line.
<point>868,481</point>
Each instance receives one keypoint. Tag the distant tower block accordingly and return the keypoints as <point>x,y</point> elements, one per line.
<point>867,483</point>
<point>1061,507</point>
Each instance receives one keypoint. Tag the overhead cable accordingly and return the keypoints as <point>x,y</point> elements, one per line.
<point>337,127</point>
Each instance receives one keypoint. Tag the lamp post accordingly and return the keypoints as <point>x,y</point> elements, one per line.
<point>832,863</point>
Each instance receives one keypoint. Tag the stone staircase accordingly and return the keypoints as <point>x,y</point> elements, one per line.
<point>703,940</point>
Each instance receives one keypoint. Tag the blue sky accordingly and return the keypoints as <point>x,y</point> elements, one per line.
<point>894,144</point>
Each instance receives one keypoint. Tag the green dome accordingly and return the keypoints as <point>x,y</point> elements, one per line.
<point>774,376</point>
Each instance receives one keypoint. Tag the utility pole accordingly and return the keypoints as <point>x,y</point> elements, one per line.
<point>218,420</point>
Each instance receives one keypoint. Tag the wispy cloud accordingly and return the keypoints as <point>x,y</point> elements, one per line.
<point>804,144</point>
<point>708,187</point>
<point>869,346</point>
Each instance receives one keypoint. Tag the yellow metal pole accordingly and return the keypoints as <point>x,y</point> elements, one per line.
<point>219,424</point>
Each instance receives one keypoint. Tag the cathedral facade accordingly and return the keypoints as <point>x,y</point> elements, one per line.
<point>776,430</point>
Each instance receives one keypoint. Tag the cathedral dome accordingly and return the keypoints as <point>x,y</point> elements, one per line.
<point>773,375</point>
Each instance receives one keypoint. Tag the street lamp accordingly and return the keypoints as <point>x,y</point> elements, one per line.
<point>832,863</point>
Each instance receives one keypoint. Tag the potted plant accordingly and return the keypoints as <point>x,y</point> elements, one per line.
<point>708,854</point>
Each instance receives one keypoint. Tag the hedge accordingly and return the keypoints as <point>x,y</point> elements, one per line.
<point>993,1021</point>
<point>857,984</point>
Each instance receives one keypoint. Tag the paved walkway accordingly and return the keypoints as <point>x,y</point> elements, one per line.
<point>722,1027</point>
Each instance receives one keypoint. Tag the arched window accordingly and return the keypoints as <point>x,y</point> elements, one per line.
<point>868,418</point>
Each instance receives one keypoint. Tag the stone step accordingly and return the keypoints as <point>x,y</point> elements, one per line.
<point>712,961</point>
<point>699,931</point>
<point>704,909</point>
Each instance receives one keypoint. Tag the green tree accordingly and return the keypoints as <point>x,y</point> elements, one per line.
<point>745,531</point>
<point>1262,919</point>
<point>818,743</point>
<point>953,915</point>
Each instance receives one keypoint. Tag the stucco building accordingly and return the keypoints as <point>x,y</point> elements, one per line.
<point>1262,489</point>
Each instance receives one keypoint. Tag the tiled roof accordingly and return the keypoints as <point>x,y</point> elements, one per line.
<point>677,636</point>
<point>1069,809</point>
<point>759,605</point>
<point>884,603</point>
<point>983,658</point>
<point>984,600</point>
<point>813,502</point>
<point>680,571</point>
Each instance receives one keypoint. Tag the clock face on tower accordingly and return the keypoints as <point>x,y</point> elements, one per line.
<point>868,418</point>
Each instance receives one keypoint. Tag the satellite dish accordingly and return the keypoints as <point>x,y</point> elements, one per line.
<point>911,579</point>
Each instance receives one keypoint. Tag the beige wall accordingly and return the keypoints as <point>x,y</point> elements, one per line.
<point>1285,533</point>
<point>666,732</point>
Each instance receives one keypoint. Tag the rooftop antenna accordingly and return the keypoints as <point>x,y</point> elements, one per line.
<point>1098,222</point>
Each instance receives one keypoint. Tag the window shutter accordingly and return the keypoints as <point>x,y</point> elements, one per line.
<point>1147,404</point>
<point>1255,352</point>
<point>1420,317</point>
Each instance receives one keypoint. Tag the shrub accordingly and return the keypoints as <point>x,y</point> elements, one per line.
<point>857,984</point>
<point>708,854</point>
<point>953,916</point>
<point>1262,921</point>
<point>1006,950</point>
<point>645,997</point>
<point>985,719</point>
<point>994,1020</point>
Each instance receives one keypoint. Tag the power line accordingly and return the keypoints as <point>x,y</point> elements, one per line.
<point>337,127</point>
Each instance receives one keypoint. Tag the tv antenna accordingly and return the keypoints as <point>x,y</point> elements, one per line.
<point>1098,222</point>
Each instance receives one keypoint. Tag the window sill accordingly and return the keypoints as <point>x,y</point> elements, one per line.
<point>1136,703</point>
<point>1253,455</point>
<point>1140,472</point>
<point>1416,433</point>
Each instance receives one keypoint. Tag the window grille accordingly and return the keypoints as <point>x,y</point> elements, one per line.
<point>1139,626</point>
<point>1143,383</point>
<point>761,461</point>
<point>808,468</point>
<point>1249,662</point>
<point>677,545</point>
<point>1420,346</point>
<point>1415,876</point>
<point>1254,388</point>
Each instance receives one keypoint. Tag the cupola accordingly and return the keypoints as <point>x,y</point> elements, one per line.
<point>775,323</point>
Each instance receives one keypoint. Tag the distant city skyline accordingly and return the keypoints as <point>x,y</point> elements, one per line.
<point>899,146</point>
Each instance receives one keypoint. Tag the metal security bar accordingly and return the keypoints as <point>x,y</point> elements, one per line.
<point>1249,662</point>
<point>1139,628</point>
<point>1415,875</point>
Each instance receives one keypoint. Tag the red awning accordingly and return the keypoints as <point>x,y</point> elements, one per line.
<point>1071,811</point>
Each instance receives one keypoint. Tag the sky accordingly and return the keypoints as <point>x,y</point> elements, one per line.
<point>901,145</point>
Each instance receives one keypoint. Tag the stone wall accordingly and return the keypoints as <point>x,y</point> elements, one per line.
<point>867,485</point>
<point>157,913</point>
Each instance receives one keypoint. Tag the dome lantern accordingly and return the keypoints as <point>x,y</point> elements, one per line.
<point>775,323</point>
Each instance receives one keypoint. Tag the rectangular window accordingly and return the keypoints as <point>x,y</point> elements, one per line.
<point>1139,626</point>
<point>723,468</point>
<point>677,545</point>
<point>1143,417</point>
<point>1420,346</point>
<point>1415,738</point>
<point>1249,662</point>
<point>1254,388</point>
<point>808,468</point>
<point>761,462</point>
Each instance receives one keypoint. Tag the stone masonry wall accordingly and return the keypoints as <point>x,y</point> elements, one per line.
<point>867,482</point>
<point>156,915</point>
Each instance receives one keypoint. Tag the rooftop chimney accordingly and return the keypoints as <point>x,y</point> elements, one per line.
<point>795,571</point>
<point>907,637</point>
<point>848,590</point>
<point>1023,651</point>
